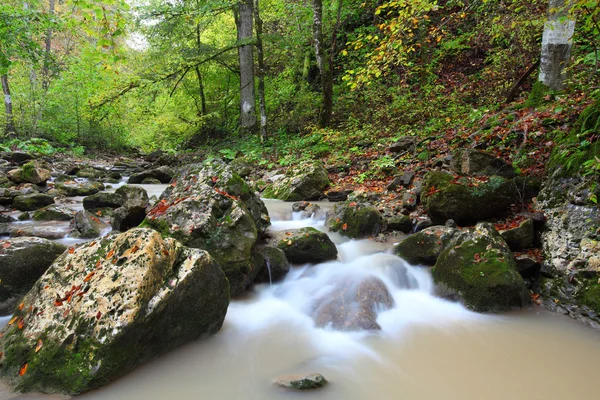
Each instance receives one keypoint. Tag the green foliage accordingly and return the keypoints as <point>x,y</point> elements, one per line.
<point>33,145</point>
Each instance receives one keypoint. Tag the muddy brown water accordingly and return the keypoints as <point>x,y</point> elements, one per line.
<point>428,348</point>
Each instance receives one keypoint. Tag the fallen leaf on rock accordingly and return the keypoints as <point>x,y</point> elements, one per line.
<point>23,369</point>
<point>12,320</point>
<point>89,276</point>
<point>39,345</point>
<point>21,323</point>
<point>344,227</point>
<point>71,250</point>
<point>21,306</point>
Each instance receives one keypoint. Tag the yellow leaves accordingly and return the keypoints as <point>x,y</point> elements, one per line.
<point>289,242</point>
<point>12,320</point>
<point>39,345</point>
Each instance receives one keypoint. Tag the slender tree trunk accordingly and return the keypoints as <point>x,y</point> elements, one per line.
<point>261,72</point>
<point>557,41</point>
<point>10,121</point>
<point>245,33</point>
<point>306,66</point>
<point>47,53</point>
<point>324,66</point>
<point>201,89</point>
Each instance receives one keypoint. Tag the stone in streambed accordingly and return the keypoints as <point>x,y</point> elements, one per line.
<point>54,212</point>
<point>107,306</point>
<point>272,266</point>
<point>87,225</point>
<point>306,182</point>
<point>424,247</point>
<point>355,220</point>
<point>301,382</point>
<point>103,200</point>
<point>32,202</point>
<point>164,174</point>
<point>305,245</point>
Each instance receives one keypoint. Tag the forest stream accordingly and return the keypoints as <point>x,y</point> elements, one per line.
<point>428,348</point>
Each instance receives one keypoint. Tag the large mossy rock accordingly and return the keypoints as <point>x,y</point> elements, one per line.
<point>465,200</point>
<point>32,202</point>
<point>305,245</point>
<point>54,212</point>
<point>478,268</point>
<point>103,200</point>
<point>210,207</point>
<point>73,188</point>
<point>424,247</point>
<point>352,304</point>
<point>22,261</point>
<point>355,220</point>
<point>108,305</point>
<point>31,173</point>
<point>474,162</point>
<point>273,265</point>
<point>306,182</point>
<point>164,174</point>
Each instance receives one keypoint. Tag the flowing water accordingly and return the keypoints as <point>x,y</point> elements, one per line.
<point>427,348</point>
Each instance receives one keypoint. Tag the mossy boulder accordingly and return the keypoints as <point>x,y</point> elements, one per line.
<point>73,188</point>
<point>54,212</point>
<point>478,268</point>
<point>305,245</point>
<point>22,261</point>
<point>91,173</point>
<point>424,247</point>
<point>5,182</point>
<point>31,173</point>
<point>352,304</point>
<point>32,202</point>
<point>466,200</point>
<point>211,207</point>
<point>520,237</point>
<point>401,223</point>
<point>474,162</point>
<point>272,266</point>
<point>164,174</point>
<point>133,195</point>
<point>103,200</point>
<point>151,181</point>
<point>305,182</point>
<point>106,306</point>
<point>355,220</point>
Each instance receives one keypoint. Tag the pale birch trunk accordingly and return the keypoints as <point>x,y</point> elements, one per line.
<point>556,44</point>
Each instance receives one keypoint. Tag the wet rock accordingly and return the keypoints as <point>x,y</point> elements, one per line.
<point>301,382</point>
<point>72,188</point>
<point>337,196</point>
<point>133,195</point>
<point>520,237</point>
<point>24,216</point>
<point>401,223</point>
<point>405,143</point>
<point>403,180</point>
<point>87,225</point>
<point>409,200</point>
<point>151,181</point>
<point>19,157</point>
<point>352,304</point>
<point>128,217</point>
<point>528,266</point>
<point>212,208</point>
<point>308,210</point>
<point>305,245</point>
<point>44,232</point>
<point>72,170</point>
<point>424,247</point>
<point>5,182</point>
<point>30,173</point>
<point>90,173</point>
<point>306,182</point>
<point>473,162</point>
<point>355,219</point>
<point>54,212</point>
<point>22,261</point>
<point>32,202</point>
<point>272,266</point>
<point>478,268</point>
<point>6,218</point>
<point>103,200</point>
<point>465,201</point>
<point>164,174</point>
<point>109,305</point>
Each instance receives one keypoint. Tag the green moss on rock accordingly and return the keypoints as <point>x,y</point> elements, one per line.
<point>355,220</point>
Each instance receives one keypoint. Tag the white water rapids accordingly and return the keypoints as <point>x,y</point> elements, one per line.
<point>427,349</point>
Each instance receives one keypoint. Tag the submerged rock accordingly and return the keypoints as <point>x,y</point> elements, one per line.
<point>305,245</point>
<point>478,268</point>
<point>352,304</point>
<point>302,382</point>
<point>424,247</point>
<point>355,220</point>
<point>73,188</point>
<point>107,306</point>
<point>306,182</point>
<point>211,207</point>
<point>22,261</point>
<point>54,212</point>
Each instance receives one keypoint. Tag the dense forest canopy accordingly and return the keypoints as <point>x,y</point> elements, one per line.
<point>166,74</point>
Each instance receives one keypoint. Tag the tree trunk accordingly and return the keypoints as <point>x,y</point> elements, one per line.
<point>47,53</point>
<point>324,65</point>
<point>556,44</point>
<point>244,23</point>
<point>201,89</point>
<point>10,121</point>
<point>261,73</point>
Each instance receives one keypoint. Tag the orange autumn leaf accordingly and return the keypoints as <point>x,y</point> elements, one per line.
<point>21,306</point>
<point>110,254</point>
<point>135,248</point>
<point>71,250</point>
<point>12,320</point>
<point>98,263</point>
<point>89,276</point>
<point>6,245</point>
<point>58,303</point>
<point>21,323</point>
<point>344,227</point>
<point>165,252</point>
<point>98,315</point>
<point>39,345</point>
<point>23,369</point>
<point>92,244</point>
